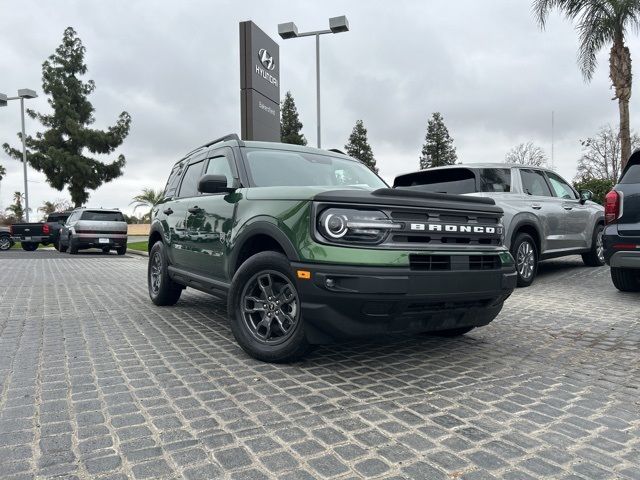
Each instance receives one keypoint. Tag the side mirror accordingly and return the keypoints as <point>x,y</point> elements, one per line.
<point>213,184</point>
<point>585,195</point>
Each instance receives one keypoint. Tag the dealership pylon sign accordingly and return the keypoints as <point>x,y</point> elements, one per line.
<point>259,84</point>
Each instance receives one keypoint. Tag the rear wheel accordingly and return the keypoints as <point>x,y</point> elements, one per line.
<point>264,309</point>
<point>105,250</point>
<point>595,257</point>
<point>525,253</point>
<point>121,250</point>
<point>61,247</point>
<point>5,243</point>
<point>162,290</point>
<point>29,246</point>
<point>626,279</point>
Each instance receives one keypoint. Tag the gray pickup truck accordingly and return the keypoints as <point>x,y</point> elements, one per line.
<point>544,216</point>
<point>94,228</point>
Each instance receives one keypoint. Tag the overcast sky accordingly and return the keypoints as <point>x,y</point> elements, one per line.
<point>174,67</point>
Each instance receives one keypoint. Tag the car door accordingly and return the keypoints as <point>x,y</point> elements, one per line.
<point>577,230</point>
<point>211,217</point>
<point>539,200</point>
<point>182,254</point>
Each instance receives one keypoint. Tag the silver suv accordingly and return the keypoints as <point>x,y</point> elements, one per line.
<point>544,216</point>
<point>94,228</point>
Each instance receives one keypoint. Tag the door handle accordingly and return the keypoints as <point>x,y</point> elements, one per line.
<point>536,206</point>
<point>168,211</point>
<point>195,210</point>
<point>567,207</point>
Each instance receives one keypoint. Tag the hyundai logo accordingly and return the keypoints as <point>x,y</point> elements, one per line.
<point>266,59</point>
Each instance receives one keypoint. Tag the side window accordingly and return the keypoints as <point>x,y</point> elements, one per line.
<point>174,180</point>
<point>220,166</point>
<point>534,183</point>
<point>632,175</point>
<point>495,179</point>
<point>189,186</point>
<point>560,187</point>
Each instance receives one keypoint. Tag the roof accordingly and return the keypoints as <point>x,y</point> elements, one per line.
<point>477,165</point>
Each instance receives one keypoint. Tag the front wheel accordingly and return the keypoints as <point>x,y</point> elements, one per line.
<point>525,253</point>
<point>595,256</point>
<point>121,250</point>
<point>264,309</point>
<point>626,279</point>
<point>73,246</point>
<point>5,243</point>
<point>29,246</point>
<point>162,290</point>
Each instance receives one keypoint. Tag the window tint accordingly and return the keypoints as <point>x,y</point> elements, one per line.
<point>449,180</point>
<point>57,217</point>
<point>189,187</point>
<point>174,179</point>
<point>274,168</point>
<point>632,175</point>
<point>100,216</point>
<point>495,179</point>
<point>561,188</point>
<point>220,166</point>
<point>534,183</point>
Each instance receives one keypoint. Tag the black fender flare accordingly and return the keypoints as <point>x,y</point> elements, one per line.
<point>525,222</point>
<point>263,226</point>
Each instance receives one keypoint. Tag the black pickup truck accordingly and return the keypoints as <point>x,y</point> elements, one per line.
<point>30,235</point>
<point>621,238</point>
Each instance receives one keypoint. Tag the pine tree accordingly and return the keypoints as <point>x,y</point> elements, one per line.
<point>290,124</point>
<point>358,146</point>
<point>438,149</point>
<point>60,152</point>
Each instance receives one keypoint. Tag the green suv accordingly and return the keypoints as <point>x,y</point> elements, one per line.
<point>310,246</point>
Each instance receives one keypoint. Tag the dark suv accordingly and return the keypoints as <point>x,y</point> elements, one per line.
<point>309,246</point>
<point>621,237</point>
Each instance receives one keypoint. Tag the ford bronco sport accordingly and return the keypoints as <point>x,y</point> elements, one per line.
<point>309,246</point>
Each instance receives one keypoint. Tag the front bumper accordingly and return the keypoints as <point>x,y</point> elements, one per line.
<point>354,301</point>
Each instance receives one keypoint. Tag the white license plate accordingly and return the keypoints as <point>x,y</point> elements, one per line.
<point>103,240</point>
<point>27,239</point>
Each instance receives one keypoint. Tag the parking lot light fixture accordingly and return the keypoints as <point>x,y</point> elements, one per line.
<point>290,30</point>
<point>23,93</point>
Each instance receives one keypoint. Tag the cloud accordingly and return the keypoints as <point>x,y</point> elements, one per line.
<point>174,67</point>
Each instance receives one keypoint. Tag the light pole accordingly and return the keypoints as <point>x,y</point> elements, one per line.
<point>22,94</point>
<point>336,25</point>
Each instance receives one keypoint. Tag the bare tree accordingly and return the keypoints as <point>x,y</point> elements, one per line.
<point>527,154</point>
<point>601,155</point>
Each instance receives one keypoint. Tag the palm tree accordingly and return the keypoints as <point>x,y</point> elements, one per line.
<point>602,23</point>
<point>16,209</point>
<point>48,207</point>
<point>148,198</point>
<point>3,172</point>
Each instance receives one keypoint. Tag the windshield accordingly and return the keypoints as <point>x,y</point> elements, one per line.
<point>99,216</point>
<point>276,168</point>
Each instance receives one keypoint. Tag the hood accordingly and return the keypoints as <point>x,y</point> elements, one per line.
<point>410,198</point>
<point>289,193</point>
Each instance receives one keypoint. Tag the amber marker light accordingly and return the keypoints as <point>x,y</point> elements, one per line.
<point>304,274</point>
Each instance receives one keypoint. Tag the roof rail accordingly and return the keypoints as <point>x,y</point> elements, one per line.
<point>231,136</point>
<point>337,150</point>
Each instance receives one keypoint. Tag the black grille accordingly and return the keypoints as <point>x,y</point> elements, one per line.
<point>484,262</point>
<point>425,307</point>
<point>429,262</point>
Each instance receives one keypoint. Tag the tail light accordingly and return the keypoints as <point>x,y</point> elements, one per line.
<point>45,229</point>
<point>612,206</point>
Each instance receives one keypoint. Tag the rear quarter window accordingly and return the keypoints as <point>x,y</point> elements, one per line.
<point>632,175</point>
<point>495,179</point>
<point>450,180</point>
<point>98,216</point>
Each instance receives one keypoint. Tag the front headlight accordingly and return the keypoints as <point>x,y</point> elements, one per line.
<point>343,225</point>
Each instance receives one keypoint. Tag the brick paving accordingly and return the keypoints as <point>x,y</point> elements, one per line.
<point>96,382</point>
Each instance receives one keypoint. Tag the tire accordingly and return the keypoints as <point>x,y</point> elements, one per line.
<point>527,264</point>
<point>56,245</point>
<point>595,257</point>
<point>5,243</point>
<point>61,248</point>
<point>454,332</point>
<point>121,250</point>
<point>626,279</point>
<point>106,250</point>
<point>163,291</point>
<point>29,246</point>
<point>73,246</point>
<point>261,331</point>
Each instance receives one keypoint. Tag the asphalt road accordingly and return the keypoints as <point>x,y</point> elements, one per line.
<point>96,382</point>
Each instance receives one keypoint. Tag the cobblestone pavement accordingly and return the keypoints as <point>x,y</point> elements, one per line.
<point>97,382</point>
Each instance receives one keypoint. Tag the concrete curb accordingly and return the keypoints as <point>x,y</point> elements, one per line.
<point>138,252</point>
